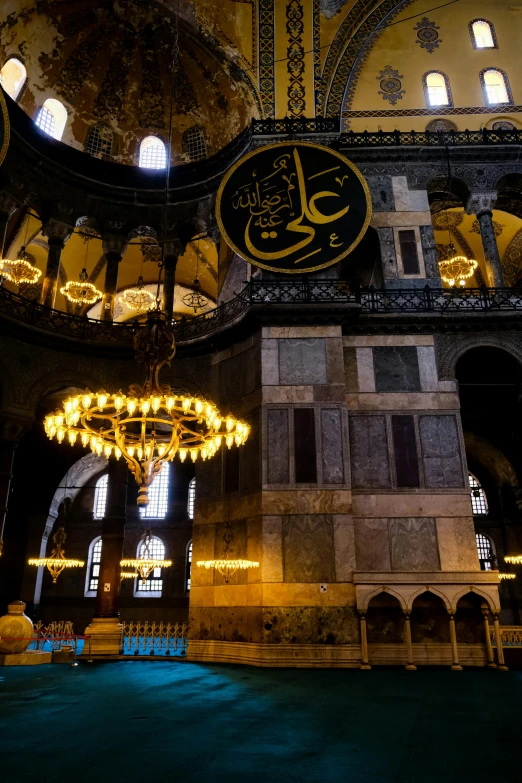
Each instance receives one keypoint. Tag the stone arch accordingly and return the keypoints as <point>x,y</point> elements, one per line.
<point>487,597</point>
<point>447,192</point>
<point>55,381</point>
<point>386,590</point>
<point>491,459</point>
<point>428,589</point>
<point>509,194</point>
<point>450,351</point>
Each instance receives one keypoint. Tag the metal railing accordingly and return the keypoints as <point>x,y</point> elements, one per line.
<point>511,636</point>
<point>53,636</point>
<point>151,639</point>
<point>266,293</point>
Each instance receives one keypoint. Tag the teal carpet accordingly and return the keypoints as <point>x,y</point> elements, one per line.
<point>172,721</point>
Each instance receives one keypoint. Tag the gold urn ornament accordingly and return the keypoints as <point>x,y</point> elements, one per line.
<point>16,630</point>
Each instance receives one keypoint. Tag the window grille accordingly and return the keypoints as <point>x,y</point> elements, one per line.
<point>189,568</point>
<point>154,582</point>
<point>13,77</point>
<point>193,143</point>
<point>99,140</point>
<point>45,121</point>
<point>483,34</point>
<point>100,497</point>
<point>191,498</point>
<point>495,87</point>
<point>486,554</point>
<point>94,565</point>
<point>152,153</point>
<point>437,92</point>
<point>158,495</point>
<point>478,497</point>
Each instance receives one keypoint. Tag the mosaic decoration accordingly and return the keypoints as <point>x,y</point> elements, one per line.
<point>444,220</point>
<point>109,100</point>
<point>446,110</point>
<point>427,35</point>
<point>512,260</point>
<point>497,227</point>
<point>152,109</point>
<point>78,65</point>
<point>391,85</point>
<point>318,83</point>
<point>266,57</point>
<point>295,64</point>
<point>503,125</point>
<point>184,96</point>
<point>441,126</point>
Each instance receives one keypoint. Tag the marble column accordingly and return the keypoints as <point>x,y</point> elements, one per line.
<point>500,650</point>
<point>489,648</point>
<point>11,431</point>
<point>364,644</point>
<point>456,667</point>
<point>410,666</point>
<point>105,628</point>
<point>57,234</point>
<point>113,248</point>
<point>172,254</point>
<point>7,208</point>
<point>481,205</point>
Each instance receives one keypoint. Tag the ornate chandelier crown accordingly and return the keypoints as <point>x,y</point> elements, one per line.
<point>145,563</point>
<point>57,562</point>
<point>20,270</point>
<point>151,424</point>
<point>81,291</point>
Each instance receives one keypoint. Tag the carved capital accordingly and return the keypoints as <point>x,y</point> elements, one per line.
<point>175,247</point>
<point>7,203</point>
<point>478,203</point>
<point>114,243</point>
<point>55,231</point>
<point>12,428</point>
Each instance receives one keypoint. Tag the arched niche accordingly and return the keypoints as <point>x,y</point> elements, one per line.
<point>429,619</point>
<point>385,619</point>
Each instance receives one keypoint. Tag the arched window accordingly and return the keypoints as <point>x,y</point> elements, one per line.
<point>483,34</point>
<point>13,77</point>
<point>51,118</point>
<point>158,495</point>
<point>478,497</point>
<point>191,498</point>
<point>193,143</point>
<point>99,140</point>
<point>437,89</point>
<point>486,552</point>
<point>188,570</point>
<point>153,154</point>
<point>100,497</point>
<point>495,87</point>
<point>93,568</point>
<point>152,586</point>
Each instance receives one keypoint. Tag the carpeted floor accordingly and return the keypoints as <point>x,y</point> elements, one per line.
<point>172,721</point>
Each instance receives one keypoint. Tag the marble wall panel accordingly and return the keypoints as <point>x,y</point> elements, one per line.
<point>302,361</point>
<point>457,545</point>
<point>428,368</point>
<point>365,371</point>
<point>272,559</point>
<point>413,544</point>
<point>332,446</point>
<point>344,543</point>
<point>237,549</point>
<point>372,547</point>
<point>310,625</point>
<point>308,548</point>
<point>278,469</point>
<point>396,369</point>
<point>369,452</point>
<point>334,361</point>
<point>239,375</point>
<point>441,451</point>
<point>351,379</point>
<point>209,477</point>
<point>250,456</point>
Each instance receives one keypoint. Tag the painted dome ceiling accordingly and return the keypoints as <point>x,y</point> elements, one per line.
<point>110,62</point>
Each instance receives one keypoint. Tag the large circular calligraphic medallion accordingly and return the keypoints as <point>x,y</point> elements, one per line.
<point>293,207</point>
<point>4,128</point>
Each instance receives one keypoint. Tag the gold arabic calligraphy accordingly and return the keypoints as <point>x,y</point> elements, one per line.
<point>271,202</point>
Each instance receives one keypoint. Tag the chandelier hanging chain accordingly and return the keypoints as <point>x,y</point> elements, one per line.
<point>227,566</point>
<point>145,563</point>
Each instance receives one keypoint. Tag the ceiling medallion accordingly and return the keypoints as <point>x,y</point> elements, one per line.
<point>138,298</point>
<point>57,562</point>
<point>226,565</point>
<point>81,291</point>
<point>195,298</point>
<point>145,564</point>
<point>151,424</point>
<point>19,271</point>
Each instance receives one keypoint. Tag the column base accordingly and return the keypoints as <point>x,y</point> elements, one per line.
<point>410,667</point>
<point>456,667</point>
<point>492,665</point>
<point>503,668</point>
<point>365,666</point>
<point>105,637</point>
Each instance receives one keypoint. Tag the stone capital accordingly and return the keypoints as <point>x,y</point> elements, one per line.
<point>478,203</point>
<point>13,427</point>
<point>56,232</point>
<point>7,203</point>
<point>114,243</point>
<point>175,247</point>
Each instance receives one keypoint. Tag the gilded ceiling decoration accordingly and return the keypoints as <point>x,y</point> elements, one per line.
<point>391,85</point>
<point>427,35</point>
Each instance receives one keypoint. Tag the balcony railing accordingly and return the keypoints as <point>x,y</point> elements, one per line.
<point>268,295</point>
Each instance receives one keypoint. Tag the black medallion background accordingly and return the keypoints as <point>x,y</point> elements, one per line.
<point>293,207</point>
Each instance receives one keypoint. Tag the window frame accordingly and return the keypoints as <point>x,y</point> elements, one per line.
<point>474,40</point>
<point>159,484</point>
<point>54,107</point>
<point>477,487</point>
<point>492,560</point>
<point>188,568</point>
<point>509,94</point>
<point>97,127</point>
<point>23,84</point>
<point>449,94</point>
<point>191,499</point>
<point>138,580</point>
<point>187,142</point>
<point>102,486</point>
<point>88,592</point>
<point>141,152</point>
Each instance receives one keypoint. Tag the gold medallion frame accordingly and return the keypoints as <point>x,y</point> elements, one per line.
<point>336,154</point>
<point>7,129</point>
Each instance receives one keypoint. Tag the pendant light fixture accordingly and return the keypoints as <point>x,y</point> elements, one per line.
<point>82,291</point>
<point>20,270</point>
<point>457,268</point>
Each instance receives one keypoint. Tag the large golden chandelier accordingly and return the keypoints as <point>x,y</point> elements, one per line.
<point>138,298</point>
<point>145,563</point>
<point>20,270</point>
<point>57,562</point>
<point>151,424</point>
<point>81,291</point>
<point>458,268</point>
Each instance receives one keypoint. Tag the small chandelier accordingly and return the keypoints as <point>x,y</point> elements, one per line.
<point>226,565</point>
<point>502,576</point>
<point>138,298</point>
<point>195,298</point>
<point>21,270</point>
<point>151,424</point>
<point>457,268</point>
<point>513,559</point>
<point>145,563</point>
<point>128,574</point>
<point>57,562</point>
<point>81,291</point>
